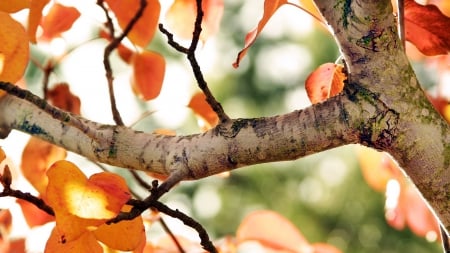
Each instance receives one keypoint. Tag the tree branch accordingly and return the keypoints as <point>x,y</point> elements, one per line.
<point>420,141</point>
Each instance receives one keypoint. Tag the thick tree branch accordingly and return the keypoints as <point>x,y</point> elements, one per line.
<point>367,34</point>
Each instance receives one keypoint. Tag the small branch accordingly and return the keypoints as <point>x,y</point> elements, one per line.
<point>140,181</point>
<point>8,192</point>
<point>190,52</point>
<point>115,42</point>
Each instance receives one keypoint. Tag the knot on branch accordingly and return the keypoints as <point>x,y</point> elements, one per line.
<point>380,131</point>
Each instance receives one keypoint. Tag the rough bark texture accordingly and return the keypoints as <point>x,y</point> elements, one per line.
<point>382,106</point>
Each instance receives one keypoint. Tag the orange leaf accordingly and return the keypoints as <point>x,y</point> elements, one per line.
<point>59,19</point>
<point>324,82</point>
<point>272,230</point>
<point>427,28</point>
<point>12,6</point>
<point>202,109</point>
<point>324,248</point>
<point>148,74</point>
<point>144,29</point>
<point>37,157</point>
<point>61,97</point>
<point>13,49</point>
<point>270,7</point>
<point>32,214</point>
<point>182,13</point>
<point>85,243</point>
<point>34,17</point>
<point>2,155</point>
<point>112,235</point>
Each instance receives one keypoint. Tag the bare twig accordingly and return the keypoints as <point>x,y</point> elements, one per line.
<point>190,52</point>
<point>115,42</point>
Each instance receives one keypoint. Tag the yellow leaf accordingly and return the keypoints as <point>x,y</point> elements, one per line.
<point>148,74</point>
<point>12,6</point>
<point>34,17</point>
<point>112,235</point>
<point>145,27</point>
<point>58,243</point>
<point>13,49</point>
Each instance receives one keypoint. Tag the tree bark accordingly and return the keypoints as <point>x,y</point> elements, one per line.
<point>382,106</point>
<point>416,135</point>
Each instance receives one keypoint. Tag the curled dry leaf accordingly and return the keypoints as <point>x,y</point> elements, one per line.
<point>12,6</point>
<point>182,13</point>
<point>148,74</point>
<point>427,28</point>
<point>324,82</point>
<point>59,19</point>
<point>142,32</point>
<point>14,50</point>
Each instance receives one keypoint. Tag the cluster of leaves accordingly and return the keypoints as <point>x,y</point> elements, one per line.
<point>83,206</point>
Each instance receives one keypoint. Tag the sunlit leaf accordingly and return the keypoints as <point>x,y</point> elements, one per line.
<point>324,82</point>
<point>427,28</point>
<point>34,18</point>
<point>14,49</point>
<point>270,7</point>
<point>33,215</point>
<point>182,13</point>
<point>272,230</point>
<point>57,243</point>
<point>37,157</point>
<point>202,109</point>
<point>59,19</point>
<point>112,235</point>
<point>61,97</point>
<point>11,6</point>
<point>144,29</point>
<point>148,74</point>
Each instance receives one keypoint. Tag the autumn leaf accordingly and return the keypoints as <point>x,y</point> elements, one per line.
<point>270,7</point>
<point>112,235</point>
<point>148,74</point>
<point>324,82</point>
<point>142,32</point>
<point>35,16</point>
<point>85,243</point>
<point>12,6</point>
<point>59,19</point>
<point>203,110</point>
<point>37,157</point>
<point>33,215</point>
<point>61,97</point>
<point>2,155</point>
<point>80,203</point>
<point>14,50</point>
<point>427,28</point>
<point>182,13</point>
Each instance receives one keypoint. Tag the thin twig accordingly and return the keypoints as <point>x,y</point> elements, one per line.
<point>115,42</point>
<point>28,197</point>
<point>190,52</point>
<point>140,181</point>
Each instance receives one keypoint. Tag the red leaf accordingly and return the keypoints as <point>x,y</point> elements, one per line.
<point>427,28</point>
<point>148,74</point>
<point>324,82</point>
<point>270,7</point>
